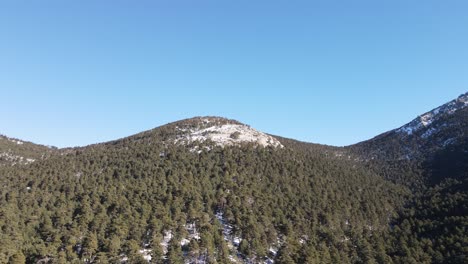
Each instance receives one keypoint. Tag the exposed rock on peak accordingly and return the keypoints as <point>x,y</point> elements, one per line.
<point>222,132</point>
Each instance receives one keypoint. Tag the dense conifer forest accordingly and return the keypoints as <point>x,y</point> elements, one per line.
<point>150,198</point>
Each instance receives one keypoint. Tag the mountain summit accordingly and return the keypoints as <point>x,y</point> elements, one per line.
<point>205,133</point>
<point>222,132</point>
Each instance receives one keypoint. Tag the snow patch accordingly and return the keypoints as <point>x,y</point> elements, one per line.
<point>273,251</point>
<point>345,238</point>
<point>428,118</point>
<point>192,230</point>
<point>146,253</point>
<point>184,242</point>
<point>234,241</point>
<point>406,129</point>
<point>15,159</point>
<point>226,135</point>
<point>166,239</point>
<point>429,132</point>
<point>17,142</point>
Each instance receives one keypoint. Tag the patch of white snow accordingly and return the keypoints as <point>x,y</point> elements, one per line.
<point>146,253</point>
<point>228,135</point>
<point>429,132</point>
<point>166,239</point>
<point>428,118</point>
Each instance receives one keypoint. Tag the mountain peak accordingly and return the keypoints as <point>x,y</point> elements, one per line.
<point>205,120</point>
<point>221,131</point>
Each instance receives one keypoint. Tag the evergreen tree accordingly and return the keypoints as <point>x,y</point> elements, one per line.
<point>174,252</point>
<point>17,258</point>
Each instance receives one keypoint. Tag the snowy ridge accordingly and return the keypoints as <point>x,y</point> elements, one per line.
<point>225,135</point>
<point>428,118</point>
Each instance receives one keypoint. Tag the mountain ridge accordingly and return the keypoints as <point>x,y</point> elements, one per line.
<point>422,121</point>
<point>424,142</point>
<point>427,118</point>
<point>188,192</point>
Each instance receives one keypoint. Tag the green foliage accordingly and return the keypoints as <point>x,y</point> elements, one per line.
<point>16,152</point>
<point>174,252</point>
<point>17,258</point>
<point>433,229</point>
<point>108,201</point>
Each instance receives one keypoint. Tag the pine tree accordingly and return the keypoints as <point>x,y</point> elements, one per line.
<point>90,246</point>
<point>17,258</point>
<point>157,252</point>
<point>174,252</point>
<point>284,255</point>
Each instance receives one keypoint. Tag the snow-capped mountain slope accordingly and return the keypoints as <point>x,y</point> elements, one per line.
<point>428,118</point>
<point>204,133</point>
<point>226,135</point>
<point>445,125</point>
<point>438,140</point>
<point>429,132</point>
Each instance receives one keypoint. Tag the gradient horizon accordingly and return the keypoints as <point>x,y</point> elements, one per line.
<point>329,72</point>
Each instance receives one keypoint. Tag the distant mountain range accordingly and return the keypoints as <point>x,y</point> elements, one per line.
<point>214,190</point>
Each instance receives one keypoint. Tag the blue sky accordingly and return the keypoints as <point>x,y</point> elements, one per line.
<point>332,72</point>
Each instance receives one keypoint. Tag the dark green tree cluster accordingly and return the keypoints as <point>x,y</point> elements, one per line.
<point>434,228</point>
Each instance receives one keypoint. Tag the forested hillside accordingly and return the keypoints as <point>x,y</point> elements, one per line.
<point>213,190</point>
<point>107,202</point>
<point>435,142</point>
<point>14,151</point>
<point>433,227</point>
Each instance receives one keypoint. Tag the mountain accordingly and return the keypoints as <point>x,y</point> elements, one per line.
<point>215,131</point>
<point>437,141</point>
<point>215,190</point>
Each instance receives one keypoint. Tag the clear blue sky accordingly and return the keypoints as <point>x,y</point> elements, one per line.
<point>333,72</point>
